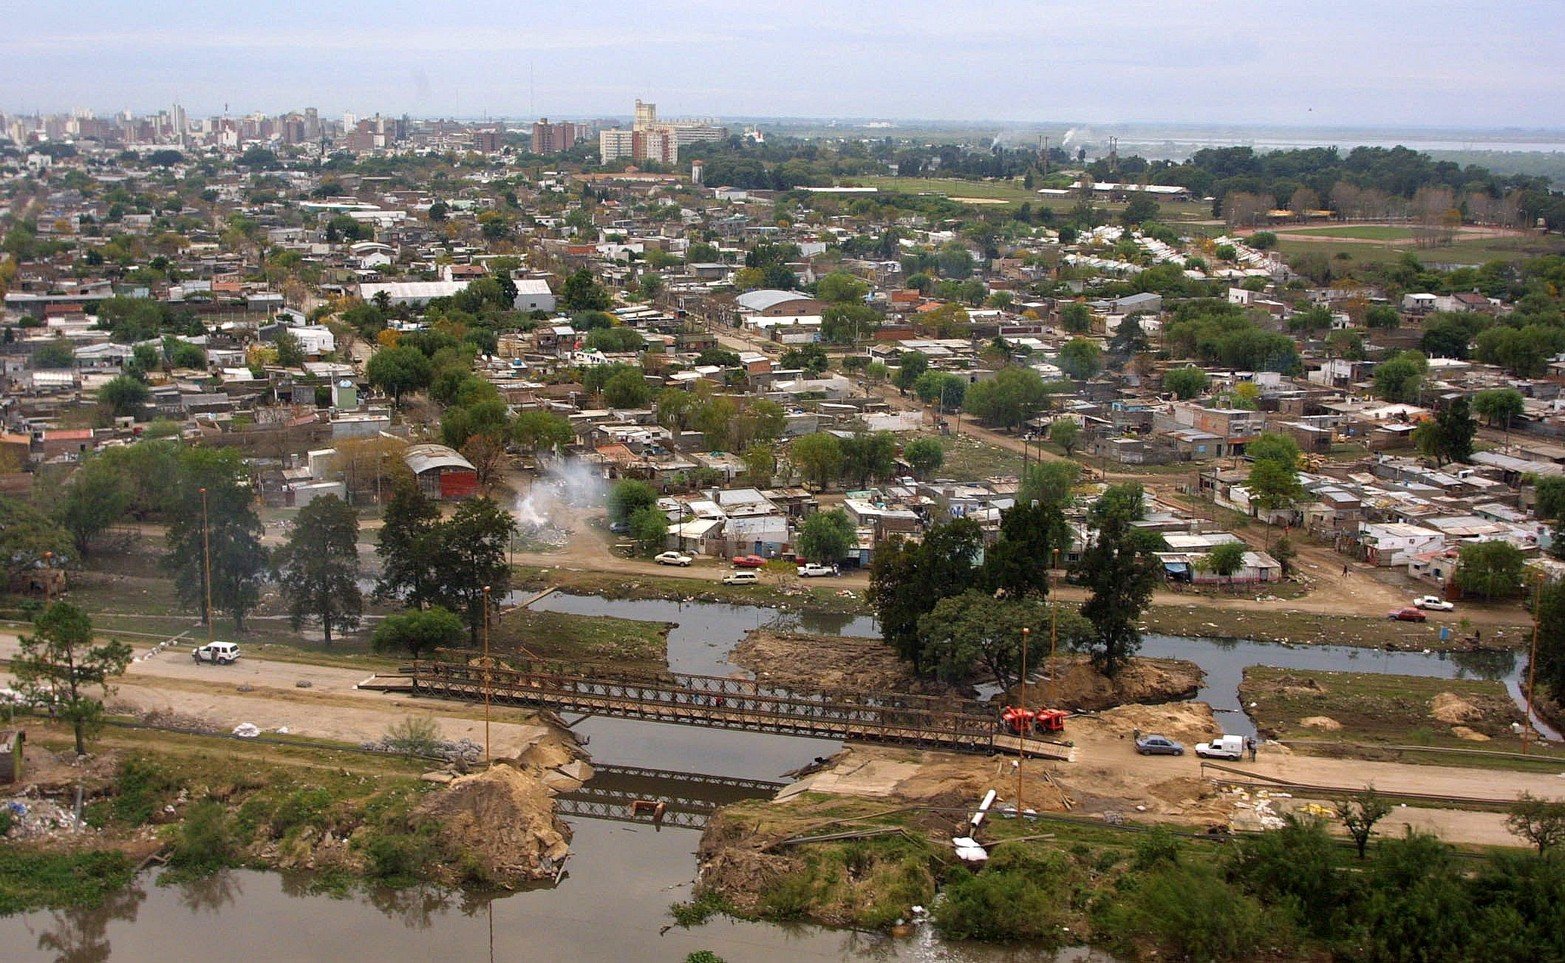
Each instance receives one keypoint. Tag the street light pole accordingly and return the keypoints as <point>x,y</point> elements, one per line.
<point>488,676</point>
<point>1021,742</point>
<point>206,555</point>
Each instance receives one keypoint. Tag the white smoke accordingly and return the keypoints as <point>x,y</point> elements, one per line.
<point>1069,134</point>
<point>558,497</point>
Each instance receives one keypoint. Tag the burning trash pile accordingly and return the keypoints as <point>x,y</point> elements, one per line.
<point>563,493</point>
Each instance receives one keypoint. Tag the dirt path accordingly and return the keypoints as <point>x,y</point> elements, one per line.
<point>329,708</point>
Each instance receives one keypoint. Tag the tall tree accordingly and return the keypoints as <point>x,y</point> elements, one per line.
<point>1449,437</point>
<point>93,499</point>
<point>59,665</point>
<point>30,539</point>
<point>1121,571</point>
<point>971,630</point>
<point>542,431</point>
<point>1018,563</point>
<point>1500,407</point>
<point>1490,569</point>
<point>232,534</point>
<point>582,292</point>
<point>868,455</point>
<point>827,537</point>
<point>407,545</point>
<point>819,457</point>
<point>418,631</point>
<point>924,456</point>
<point>907,579</point>
<point>318,567</point>
<point>471,554</point>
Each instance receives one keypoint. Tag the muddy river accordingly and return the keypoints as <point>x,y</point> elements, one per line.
<point>613,902</point>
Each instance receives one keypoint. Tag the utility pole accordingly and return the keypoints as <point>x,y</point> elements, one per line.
<point>206,568</point>
<point>1021,742</point>
<point>488,676</point>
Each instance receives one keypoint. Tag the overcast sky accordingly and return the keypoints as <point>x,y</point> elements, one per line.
<point>1489,63</point>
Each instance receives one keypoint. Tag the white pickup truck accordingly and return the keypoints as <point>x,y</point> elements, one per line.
<point>1223,747</point>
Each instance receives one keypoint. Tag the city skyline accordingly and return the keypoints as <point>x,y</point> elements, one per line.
<point>1321,65</point>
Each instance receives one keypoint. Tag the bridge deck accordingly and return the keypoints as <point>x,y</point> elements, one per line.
<point>719,702</point>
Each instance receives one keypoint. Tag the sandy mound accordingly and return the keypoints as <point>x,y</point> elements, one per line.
<point>1078,685</point>
<point>1188,722</point>
<point>1451,708</point>
<point>1471,735</point>
<point>1321,722</point>
<point>502,820</point>
<point>806,662</point>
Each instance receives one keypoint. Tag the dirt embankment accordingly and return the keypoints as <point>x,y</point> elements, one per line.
<point>810,662</point>
<point>1078,685</point>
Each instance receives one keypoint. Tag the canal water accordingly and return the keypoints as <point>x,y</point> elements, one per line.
<point>612,903</point>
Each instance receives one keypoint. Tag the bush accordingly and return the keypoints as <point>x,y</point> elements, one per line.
<point>413,736</point>
<point>1189,913</point>
<point>697,911</point>
<point>204,843</point>
<point>141,789</point>
<point>1001,904</point>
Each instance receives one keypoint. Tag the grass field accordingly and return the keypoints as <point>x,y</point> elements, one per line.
<point>1362,232</point>
<point>1376,711</point>
<point>585,638</point>
<point>1471,251</point>
<point>1014,193</point>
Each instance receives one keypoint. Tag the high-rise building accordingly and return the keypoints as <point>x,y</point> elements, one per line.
<point>555,138</point>
<point>655,140</point>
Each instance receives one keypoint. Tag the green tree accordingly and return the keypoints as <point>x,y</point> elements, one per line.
<point>290,351</point>
<point>1490,569</point>
<point>818,457</point>
<point>760,464</point>
<point>1013,396</point>
<point>1050,483</point>
<point>1186,383</point>
<point>942,388</point>
<point>907,579</point>
<point>1065,433</point>
<point>1138,210</point>
<point>627,389</point>
<point>972,630</point>
<point>1121,571</point>
<point>649,528</point>
<point>59,665</point>
<point>1540,822</point>
<point>827,537</point>
<point>868,455</point>
<point>1500,407</point>
<point>615,340</point>
<point>233,533</point>
<point>582,292</point>
<point>397,371</point>
<point>629,496</point>
<point>1400,379</point>
<point>470,555</point>
<point>1382,316</point>
<point>56,353</point>
<point>847,323</point>
<point>811,358</point>
<point>910,364</point>
<point>124,396</point>
<point>924,456</point>
<point>318,567</point>
<point>1076,317</point>
<point>716,419</point>
<point>538,430</point>
<point>1032,536</point>
<point>406,545</point>
<point>1449,437</point>
<point>1081,358</point>
<point>841,288</point>
<point>92,500</point>
<point>418,632</point>
<point>1224,560</point>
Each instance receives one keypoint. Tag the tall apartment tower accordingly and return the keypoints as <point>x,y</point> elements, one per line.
<point>646,116</point>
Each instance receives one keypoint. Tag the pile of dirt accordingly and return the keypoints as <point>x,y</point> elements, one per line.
<point>1188,722</point>
<point>815,662</point>
<point>1321,722</point>
<point>1452,709</point>
<point>503,820</point>
<point>1078,685</point>
<point>1471,735</point>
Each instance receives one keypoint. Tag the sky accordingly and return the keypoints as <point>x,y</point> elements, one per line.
<point>1439,63</point>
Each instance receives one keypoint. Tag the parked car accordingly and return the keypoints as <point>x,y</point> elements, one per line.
<point>746,577</point>
<point>1434,603</point>
<point>672,558</point>
<point>748,561</point>
<point>620,528</point>
<point>1159,746</point>
<point>217,653</point>
<point>1223,747</point>
<point>815,569</point>
<point>1407,615</point>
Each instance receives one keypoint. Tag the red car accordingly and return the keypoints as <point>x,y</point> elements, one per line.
<point>748,561</point>
<point>1407,615</point>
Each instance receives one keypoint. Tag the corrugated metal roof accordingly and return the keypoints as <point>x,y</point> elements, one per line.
<point>422,458</point>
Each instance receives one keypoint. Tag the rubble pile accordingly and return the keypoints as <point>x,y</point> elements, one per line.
<point>464,750</point>
<point>33,817</point>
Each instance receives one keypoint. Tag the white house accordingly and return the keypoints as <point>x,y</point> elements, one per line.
<point>1397,543</point>
<point>533,294</point>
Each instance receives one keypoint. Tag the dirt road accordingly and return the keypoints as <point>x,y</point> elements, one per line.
<point>329,708</point>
